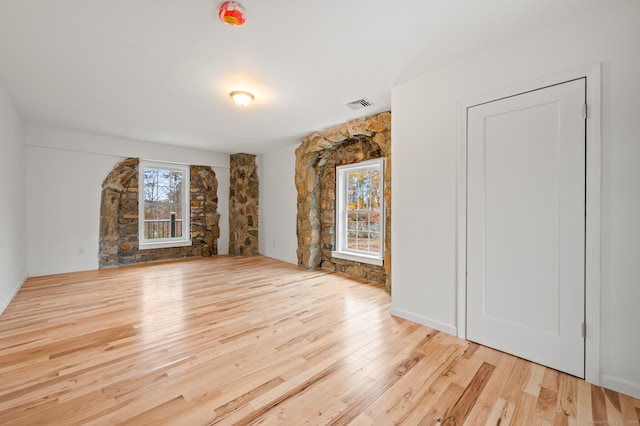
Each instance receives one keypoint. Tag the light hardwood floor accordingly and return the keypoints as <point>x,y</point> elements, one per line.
<point>256,341</point>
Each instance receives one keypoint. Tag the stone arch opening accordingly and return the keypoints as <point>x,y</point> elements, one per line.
<point>316,158</point>
<point>119,218</point>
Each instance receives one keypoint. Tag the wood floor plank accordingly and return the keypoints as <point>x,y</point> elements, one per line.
<point>584,412</point>
<point>447,398</point>
<point>568,396</point>
<point>484,405</point>
<point>534,383</point>
<point>501,414</point>
<point>629,414</point>
<point>598,405</point>
<point>524,413</point>
<point>546,405</point>
<point>414,396</point>
<point>614,410</point>
<point>518,378</point>
<point>252,340</point>
<point>425,400</point>
<point>461,409</point>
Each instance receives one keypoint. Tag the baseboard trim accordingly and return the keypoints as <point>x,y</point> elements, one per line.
<point>620,385</point>
<point>5,301</point>
<point>429,322</point>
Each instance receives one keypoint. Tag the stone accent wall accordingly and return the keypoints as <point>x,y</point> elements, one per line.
<point>349,152</point>
<point>119,218</point>
<point>316,158</point>
<point>243,205</point>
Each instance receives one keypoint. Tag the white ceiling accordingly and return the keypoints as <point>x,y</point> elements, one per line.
<point>162,70</point>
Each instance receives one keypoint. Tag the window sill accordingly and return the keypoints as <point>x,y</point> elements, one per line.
<point>164,244</point>
<point>363,258</point>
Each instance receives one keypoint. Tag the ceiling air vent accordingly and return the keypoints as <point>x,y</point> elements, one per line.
<point>360,103</point>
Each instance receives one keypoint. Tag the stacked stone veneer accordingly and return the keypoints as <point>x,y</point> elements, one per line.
<point>243,205</point>
<point>316,158</point>
<point>119,218</point>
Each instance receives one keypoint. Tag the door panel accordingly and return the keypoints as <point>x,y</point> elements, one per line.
<point>525,225</point>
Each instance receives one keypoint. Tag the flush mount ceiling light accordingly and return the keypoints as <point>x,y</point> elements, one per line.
<point>241,98</point>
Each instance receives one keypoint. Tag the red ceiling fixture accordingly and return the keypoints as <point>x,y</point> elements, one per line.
<point>232,13</point>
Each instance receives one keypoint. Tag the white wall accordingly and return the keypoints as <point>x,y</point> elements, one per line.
<point>65,174</point>
<point>425,136</point>
<point>13,236</point>
<point>278,204</point>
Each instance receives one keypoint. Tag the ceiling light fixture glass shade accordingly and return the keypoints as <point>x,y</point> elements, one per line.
<point>241,98</point>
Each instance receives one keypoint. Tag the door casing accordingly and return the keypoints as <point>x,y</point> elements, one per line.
<point>592,74</point>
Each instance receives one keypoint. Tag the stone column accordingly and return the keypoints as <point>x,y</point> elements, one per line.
<point>308,216</point>
<point>204,210</point>
<point>243,205</point>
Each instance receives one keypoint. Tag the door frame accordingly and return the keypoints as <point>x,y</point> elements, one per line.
<point>592,73</point>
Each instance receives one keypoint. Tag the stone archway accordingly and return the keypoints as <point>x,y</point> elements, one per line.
<point>312,158</point>
<point>119,218</point>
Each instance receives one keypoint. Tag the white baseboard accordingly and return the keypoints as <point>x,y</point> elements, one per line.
<point>429,322</point>
<point>4,302</point>
<point>620,385</point>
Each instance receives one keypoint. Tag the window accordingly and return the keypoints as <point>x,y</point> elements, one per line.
<point>360,212</point>
<point>163,205</point>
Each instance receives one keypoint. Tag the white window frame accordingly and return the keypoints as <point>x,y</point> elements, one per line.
<point>341,250</point>
<point>185,239</point>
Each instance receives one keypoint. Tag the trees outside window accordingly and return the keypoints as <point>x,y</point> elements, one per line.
<point>360,212</point>
<point>164,205</point>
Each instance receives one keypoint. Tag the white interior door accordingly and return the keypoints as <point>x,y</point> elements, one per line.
<point>526,225</point>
